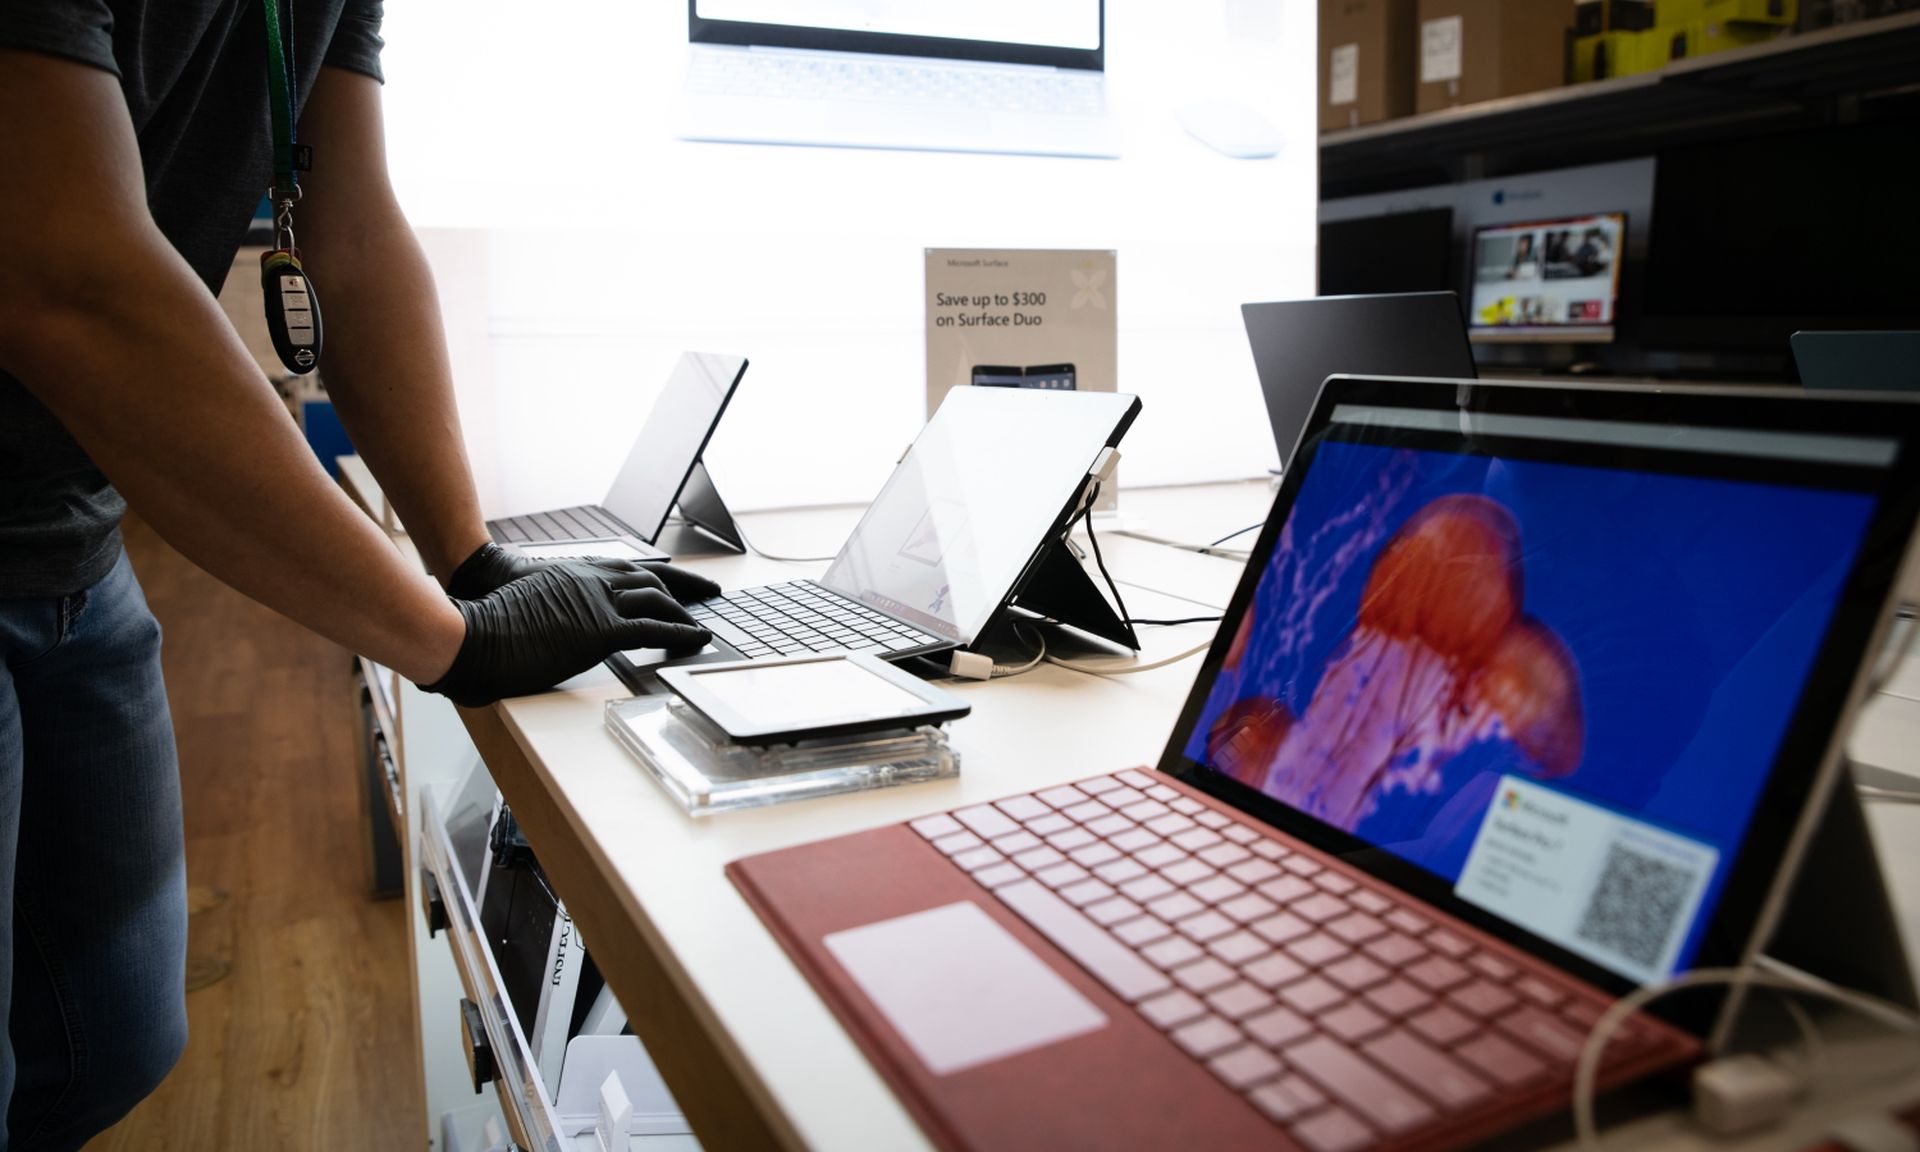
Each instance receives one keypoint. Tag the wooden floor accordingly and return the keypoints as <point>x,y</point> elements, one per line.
<point>308,1042</point>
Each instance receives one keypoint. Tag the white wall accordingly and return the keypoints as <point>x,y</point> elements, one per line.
<point>537,156</point>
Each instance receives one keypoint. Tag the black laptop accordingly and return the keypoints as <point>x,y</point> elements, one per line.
<point>1866,361</point>
<point>1299,343</point>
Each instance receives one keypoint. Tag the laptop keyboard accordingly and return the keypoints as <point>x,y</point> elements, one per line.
<point>1348,1017</point>
<point>780,76</point>
<point>583,522</point>
<point>801,616</point>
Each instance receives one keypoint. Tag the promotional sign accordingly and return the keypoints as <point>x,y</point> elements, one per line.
<point>1021,318</point>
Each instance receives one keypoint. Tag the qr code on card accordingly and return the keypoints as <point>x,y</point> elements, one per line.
<point>1636,905</point>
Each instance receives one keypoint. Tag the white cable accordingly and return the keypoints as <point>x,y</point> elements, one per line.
<point>1766,973</point>
<point>1001,672</point>
<point>1236,554</point>
<point>1171,595</point>
<point>1128,669</point>
<point>1890,795</point>
<point>1892,657</point>
<point>1813,1058</point>
<point>755,549</point>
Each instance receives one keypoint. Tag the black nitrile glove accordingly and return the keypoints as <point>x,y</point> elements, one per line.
<point>557,622</point>
<point>492,567</point>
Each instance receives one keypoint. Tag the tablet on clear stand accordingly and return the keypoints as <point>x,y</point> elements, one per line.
<point>705,772</point>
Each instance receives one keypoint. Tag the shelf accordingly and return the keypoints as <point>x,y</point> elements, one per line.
<point>523,1097</point>
<point>1776,83</point>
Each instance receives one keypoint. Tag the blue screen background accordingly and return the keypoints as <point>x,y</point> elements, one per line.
<point>1693,609</point>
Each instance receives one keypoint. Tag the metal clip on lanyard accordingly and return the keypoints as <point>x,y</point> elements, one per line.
<point>293,310</point>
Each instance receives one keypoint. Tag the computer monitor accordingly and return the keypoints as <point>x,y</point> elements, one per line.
<point>1060,33</point>
<point>1401,252</point>
<point>1750,240</point>
<point>1547,281</point>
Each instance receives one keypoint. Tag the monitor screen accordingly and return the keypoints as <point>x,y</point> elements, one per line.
<point>1403,252</point>
<point>1549,280</point>
<point>1038,23</point>
<point>1822,247</point>
<point>965,510</point>
<point>1547,662</point>
<point>675,434</point>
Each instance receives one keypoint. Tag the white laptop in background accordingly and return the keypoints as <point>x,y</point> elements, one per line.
<point>1024,76</point>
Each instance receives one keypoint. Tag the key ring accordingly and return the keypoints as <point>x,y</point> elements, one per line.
<point>283,227</point>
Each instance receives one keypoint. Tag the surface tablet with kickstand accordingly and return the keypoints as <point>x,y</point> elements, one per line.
<point>664,470</point>
<point>969,524</point>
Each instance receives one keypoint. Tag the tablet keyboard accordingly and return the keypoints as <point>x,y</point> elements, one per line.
<point>584,522</point>
<point>801,616</point>
<point>1347,1013</point>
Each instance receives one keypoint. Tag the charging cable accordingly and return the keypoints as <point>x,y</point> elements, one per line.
<point>756,550</point>
<point>1124,669</point>
<point>1733,1091</point>
<point>1212,549</point>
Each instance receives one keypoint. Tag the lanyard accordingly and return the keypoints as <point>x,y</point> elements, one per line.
<point>293,309</point>
<point>281,92</point>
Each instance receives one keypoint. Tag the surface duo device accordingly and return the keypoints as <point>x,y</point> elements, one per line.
<point>662,470</point>
<point>811,697</point>
<point>1299,343</point>
<point>1530,695</point>
<point>1047,377</point>
<point>967,524</point>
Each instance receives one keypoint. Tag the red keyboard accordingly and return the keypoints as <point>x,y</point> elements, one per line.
<point>1348,1014</point>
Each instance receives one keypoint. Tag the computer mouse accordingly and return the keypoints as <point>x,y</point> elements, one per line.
<point>1231,128</point>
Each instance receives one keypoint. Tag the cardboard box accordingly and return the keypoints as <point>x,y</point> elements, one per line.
<point>1366,61</point>
<point>1473,50</point>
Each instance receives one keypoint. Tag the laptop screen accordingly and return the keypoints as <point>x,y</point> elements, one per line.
<point>988,478</point>
<point>1547,661</point>
<point>1297,344</point>
<point>675,434</point>
<point>1040,23</point>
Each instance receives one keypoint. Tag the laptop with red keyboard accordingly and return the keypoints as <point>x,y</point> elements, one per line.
<point>1527,698</point>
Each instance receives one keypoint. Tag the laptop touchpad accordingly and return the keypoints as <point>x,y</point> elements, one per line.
<point>959,989</point>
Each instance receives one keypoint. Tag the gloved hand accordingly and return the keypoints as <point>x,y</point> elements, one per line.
<point>556,622</point>
<point>492,566</point>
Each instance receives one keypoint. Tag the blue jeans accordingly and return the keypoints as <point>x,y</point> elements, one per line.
<point>93,914</point>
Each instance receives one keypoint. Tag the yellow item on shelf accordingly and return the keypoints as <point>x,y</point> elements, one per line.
<point>1673,13</point>
<point>1780,13</point>
<point>1705,37</point>
<point>1610,54</point>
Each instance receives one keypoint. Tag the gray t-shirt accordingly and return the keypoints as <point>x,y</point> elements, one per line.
<point>194,73</point>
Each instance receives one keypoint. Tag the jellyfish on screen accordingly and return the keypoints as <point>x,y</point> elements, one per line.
<point>1442,657</point>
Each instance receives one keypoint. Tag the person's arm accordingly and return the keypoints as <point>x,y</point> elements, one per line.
<point>385,358</point>
<point>108,327</point>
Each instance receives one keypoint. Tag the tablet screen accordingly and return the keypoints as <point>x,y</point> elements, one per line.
<point>791,696</point>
